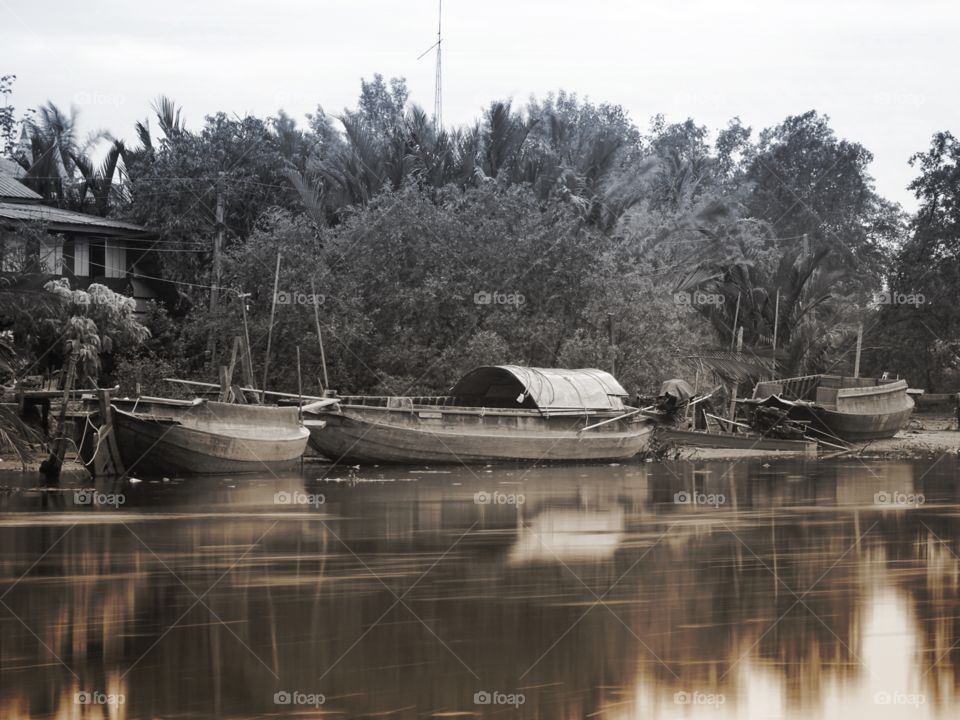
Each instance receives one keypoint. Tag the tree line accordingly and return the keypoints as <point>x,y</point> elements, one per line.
<point>652,252</point>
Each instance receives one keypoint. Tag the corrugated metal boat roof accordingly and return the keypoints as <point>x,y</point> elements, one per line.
<point>548,388</point>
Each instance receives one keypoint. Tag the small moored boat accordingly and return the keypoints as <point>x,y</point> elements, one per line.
<point>200,437</point>
<point>494,414</point>
<point>844,408</point>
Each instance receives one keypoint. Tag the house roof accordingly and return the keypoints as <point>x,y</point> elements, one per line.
<point>11,189</point>
<point>551,389</point>
<point>68,221</point>
<point>11,169</point>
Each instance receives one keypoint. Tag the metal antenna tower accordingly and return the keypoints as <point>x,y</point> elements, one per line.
<point>438,95</point>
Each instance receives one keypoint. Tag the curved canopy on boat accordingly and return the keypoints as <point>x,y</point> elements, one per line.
<point>545,389</point>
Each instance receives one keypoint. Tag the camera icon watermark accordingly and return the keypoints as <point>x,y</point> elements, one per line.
<point>898,498</point>
<point>92,497</point>
<point>698,298</point>
<point>687,498</point>
<point>498,698</point>
<point>498,298</point>
<point>98,698</point>
<point>284,297</point>
<point>898,698</point>
<point>298,498</point>
<point>298,698</point>
<point>697,698</point>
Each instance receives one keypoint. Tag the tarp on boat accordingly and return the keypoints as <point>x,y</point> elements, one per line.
<point>546,389</point>
<point>680,389</point>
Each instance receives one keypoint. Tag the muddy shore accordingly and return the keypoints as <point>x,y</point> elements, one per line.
<point>929,436</point>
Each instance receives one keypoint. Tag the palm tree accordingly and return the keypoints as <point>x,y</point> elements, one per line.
<point>796,302</point>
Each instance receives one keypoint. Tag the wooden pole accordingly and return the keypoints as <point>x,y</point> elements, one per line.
<point>736,319</point>
<point>299,379</point>
<point>215,285</point>
<point>60,445</point>
<point>776,326</point>
<point>246,361</point>
<point>776,321</point>
<point>217,246</point>
<point>316,318</point>
<point>736,387</point>
<point>613,353</point>
<point>273,307</point>
<point>856,364</point>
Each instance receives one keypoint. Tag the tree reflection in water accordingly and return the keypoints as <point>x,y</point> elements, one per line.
<point>599,594</point>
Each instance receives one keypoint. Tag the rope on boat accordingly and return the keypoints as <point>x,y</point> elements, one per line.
<point>96,449</point>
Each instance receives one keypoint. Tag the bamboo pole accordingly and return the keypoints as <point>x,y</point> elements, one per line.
<point>776,323</point>
<point>316,318</point>
<point>736,319</point>
<point>267,392</point>
<point>273,308</point>
<point>856,365</point>
<point>299,379</point>
<point>247,360</point>
<point>60,446</point>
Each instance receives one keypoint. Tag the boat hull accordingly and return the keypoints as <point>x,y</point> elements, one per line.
<point>855,427</point>
<point>853,413</point>
<point>210,439</point>
<point>379,435</point>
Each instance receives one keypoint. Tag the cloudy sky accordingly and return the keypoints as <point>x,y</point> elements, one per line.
<point>883,71</point>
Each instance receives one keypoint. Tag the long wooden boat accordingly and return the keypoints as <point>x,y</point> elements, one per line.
<point>845,408</point>
<point>734,441</point>
<point>494,414</point>
<point>179,437</point>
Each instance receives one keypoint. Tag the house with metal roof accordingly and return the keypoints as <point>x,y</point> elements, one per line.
<point>86,249</point>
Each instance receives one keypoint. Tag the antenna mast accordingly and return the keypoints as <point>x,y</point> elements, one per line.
<point>438,98</point>
<point>438,95</point>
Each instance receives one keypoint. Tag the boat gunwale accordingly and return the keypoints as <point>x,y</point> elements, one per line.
<point>176,422</point>
<point>472,410</point>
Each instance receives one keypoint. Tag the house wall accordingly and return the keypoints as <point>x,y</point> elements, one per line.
<point>115,260</point>
<point>50,253</point>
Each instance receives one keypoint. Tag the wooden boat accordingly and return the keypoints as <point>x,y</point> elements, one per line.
<point>159,436</point>
<point>735,441</point>
<point>844,408</point>
<point>494,414</point>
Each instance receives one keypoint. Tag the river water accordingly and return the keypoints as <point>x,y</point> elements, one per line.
<point>783,590</point>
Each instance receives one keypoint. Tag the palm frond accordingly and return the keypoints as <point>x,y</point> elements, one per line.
<point>17,435</point>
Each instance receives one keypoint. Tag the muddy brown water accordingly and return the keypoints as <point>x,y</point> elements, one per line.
<point>783,590</point>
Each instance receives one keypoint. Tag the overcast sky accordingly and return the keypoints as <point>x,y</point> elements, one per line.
<point>885,72</point>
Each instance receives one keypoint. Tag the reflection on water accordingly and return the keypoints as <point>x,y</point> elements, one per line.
<point>779,589</point>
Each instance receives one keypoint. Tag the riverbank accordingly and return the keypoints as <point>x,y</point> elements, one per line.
<point>928,437</point>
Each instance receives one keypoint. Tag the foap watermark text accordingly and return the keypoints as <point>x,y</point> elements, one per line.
<point>298,298</point>
<point>698,698</point>
<point>92,497</point>
<point>497,498</point>
<point>298,498</point>
<point>498,298</point>
<point>698,298</point>
<point>498,698</point>
<point>895,498</point>
<point>98,698</point>
<point>687,498</point>
<point>298,698</point>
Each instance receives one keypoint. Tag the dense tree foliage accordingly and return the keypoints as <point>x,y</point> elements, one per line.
<point>599,227</point>
<point>918,320</point>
